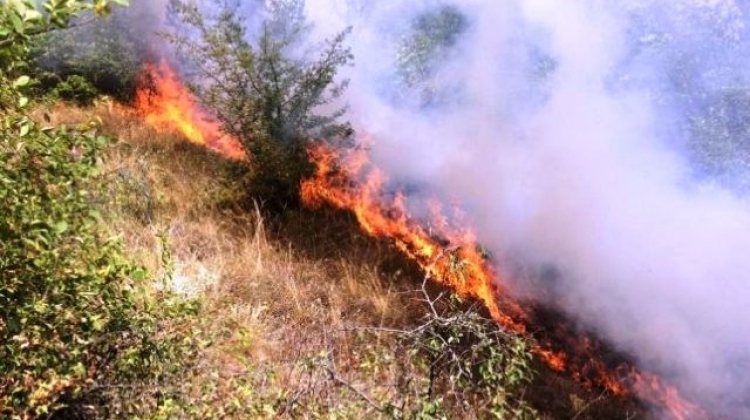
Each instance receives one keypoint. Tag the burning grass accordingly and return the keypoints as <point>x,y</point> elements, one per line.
<point>450,254</point>
<point>306,313</point>
<point>166,103</point>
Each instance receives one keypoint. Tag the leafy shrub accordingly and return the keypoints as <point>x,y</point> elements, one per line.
<point>262,94</point>
<point>454,363</point>
<point>107,53</point>
<point>473,366</point>
<point>78,323</point>
<point>431,40</point>
<point>82,334</point>
<point>75,89</point>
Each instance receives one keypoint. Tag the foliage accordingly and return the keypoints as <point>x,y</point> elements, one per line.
<point>79,325</point>
<point>21,21</point>
<point>75,89</point>
<point>468,359</point>
<point>432,36</point>
<point>262,93</point>
<point>83,336</point>
<point>454,363</point>
<point>107,52</point>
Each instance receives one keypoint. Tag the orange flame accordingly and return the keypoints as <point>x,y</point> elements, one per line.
<point>453,257</point>
<point>461,266</point>
<point>167,104</point>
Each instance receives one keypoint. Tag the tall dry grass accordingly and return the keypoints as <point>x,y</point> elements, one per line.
<point>293,303</point>
<point>269,303</point>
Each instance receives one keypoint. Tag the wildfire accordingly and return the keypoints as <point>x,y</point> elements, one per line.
<point>167,104</point>
<point>447,254</point>
<point>453,257</point>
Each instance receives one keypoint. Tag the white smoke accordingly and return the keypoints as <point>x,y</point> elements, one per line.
<point>590,168</point>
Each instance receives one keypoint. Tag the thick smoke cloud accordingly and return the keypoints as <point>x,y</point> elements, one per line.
<point>602,140</point>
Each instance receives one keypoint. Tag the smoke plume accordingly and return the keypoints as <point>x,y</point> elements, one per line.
<point>604,141</point>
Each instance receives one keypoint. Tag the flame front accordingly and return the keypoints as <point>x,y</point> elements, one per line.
<point>453,257</point>
<point>167,104</point>
<point>460,266</point>
<point>446,253</point>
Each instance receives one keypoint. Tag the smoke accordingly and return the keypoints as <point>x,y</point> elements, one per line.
<point>603,140</point>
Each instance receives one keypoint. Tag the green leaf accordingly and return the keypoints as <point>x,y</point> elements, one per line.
<point>31,14</point>
<point>24,130</point>
<point>17,23</point>
<point>61,227</point>
<point>21,81</point>
<point>139,274</point>
<point>40,307</point>
<point>23,101</point>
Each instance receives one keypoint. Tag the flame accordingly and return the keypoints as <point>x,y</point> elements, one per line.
<point>460,266</point>
<point>167,104</point>
<point>452,256</point>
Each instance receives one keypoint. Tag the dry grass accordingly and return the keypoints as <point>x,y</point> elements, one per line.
<point>270,304</point>
<point>214,226</point>
<point>291,301</point>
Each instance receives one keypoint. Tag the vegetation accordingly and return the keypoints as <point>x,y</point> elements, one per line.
<point>317,319</point>
<point>479,369</point>
<point>75,89</point>
<point>263,95</point>
<point>300,315</point>
<point>82,336</point>
<point>107,53</point>
<point>430,41</point>
<point>76,321</point>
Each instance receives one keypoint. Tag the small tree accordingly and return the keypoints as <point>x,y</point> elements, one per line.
<point>432,37</point>
<point>265,95</point>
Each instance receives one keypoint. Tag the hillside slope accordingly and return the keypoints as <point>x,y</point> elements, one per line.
<point>303,316</point>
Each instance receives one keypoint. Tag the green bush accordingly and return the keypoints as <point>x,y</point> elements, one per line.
<point>473,366</point>
<point>107,53</point>
<point>75,89</point>
<point>80,329</point>
<point>82,333</point>
<point>263,95</point>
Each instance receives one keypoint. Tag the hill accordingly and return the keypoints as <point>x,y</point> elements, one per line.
<point>302,316</point>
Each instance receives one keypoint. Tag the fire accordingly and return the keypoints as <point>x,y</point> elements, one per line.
<point>452,256</point>
<point>446,253</point>
<point>460,266</point>
<point>167,104</point>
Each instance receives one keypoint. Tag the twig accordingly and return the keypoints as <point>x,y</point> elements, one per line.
<point>589,404</point>
<point>354,389</point>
